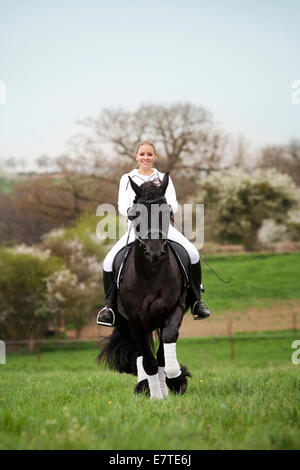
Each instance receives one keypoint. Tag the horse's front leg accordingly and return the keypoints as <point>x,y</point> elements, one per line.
<point>161,367</point>
<point>147,369</point>
<point>176,375</point>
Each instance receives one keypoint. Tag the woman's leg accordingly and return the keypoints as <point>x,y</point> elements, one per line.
<point>198,309</point>
<point>106,316</point>
<point>109,258</point>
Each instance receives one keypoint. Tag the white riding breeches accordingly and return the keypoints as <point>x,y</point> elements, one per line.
<point>173,234</point>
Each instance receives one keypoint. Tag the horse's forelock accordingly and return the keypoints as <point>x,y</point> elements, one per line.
<point>149,191</point>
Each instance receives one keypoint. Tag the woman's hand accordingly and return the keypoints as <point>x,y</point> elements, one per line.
<point>132,212</point>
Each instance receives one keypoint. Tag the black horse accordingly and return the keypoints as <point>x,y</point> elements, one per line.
<point>151,296</point>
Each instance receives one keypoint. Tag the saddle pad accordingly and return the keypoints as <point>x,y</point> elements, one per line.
<point>183,259</point>
<point>118,263</point>
<point>179,251</point>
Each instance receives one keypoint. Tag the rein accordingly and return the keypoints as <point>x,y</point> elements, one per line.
<point>160,199</point>
<point>215,272</point>
<point>152,201</point>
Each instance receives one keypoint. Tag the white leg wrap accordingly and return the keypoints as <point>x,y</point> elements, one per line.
<point>162,380</point>
<point>154,385</point>
<point>171,364</point>
<point>140,369</point>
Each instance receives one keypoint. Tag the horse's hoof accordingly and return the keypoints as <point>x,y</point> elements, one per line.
<point>179,384</point>
<point>143,387</point>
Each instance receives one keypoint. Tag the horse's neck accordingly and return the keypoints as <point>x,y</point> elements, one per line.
<point>139,259</point>
<point>143,266</point>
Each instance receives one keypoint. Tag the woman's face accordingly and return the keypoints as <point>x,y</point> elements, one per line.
<point>145,156</point>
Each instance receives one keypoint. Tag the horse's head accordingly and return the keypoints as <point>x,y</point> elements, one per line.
<point>151,223</point>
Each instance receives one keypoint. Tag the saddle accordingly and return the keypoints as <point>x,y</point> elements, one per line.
<point>181,255</point>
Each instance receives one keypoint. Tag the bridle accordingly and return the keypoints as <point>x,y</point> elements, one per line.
<point>147,203</point>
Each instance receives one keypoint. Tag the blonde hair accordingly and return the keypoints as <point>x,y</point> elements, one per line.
<point>145,142</point>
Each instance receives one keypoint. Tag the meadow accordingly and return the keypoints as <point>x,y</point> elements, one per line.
<point>255,279</point>
<point>67,401</point>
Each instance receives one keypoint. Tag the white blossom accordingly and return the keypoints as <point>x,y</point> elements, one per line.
<point>31,250</point>
<point>55,233</point>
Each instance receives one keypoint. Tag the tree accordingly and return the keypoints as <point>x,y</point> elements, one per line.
<point>240,202</point>
<point>18,225</point>
<point>44,161</point>
<point>188,144</point>
<point>62,197</point>
<point>10,162</point>
<point>285,158</point>
<point>187,141</point>
<point>184,133</point>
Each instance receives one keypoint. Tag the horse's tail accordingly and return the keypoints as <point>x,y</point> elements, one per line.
<point>119,351</point>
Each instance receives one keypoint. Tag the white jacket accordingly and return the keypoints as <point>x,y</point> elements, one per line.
<point>127,195</point>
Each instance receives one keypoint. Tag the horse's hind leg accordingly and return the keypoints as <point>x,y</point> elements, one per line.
<point>176,375</point>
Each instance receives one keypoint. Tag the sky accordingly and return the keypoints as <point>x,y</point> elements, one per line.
<point>62,61</point>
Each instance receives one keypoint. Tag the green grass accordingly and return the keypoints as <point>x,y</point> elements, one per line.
<point>67,402</point>
<point>256,279</point>
<point>6,185</point>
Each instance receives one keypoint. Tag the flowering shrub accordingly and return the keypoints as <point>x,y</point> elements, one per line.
<point>56,283</point>
<point>23,310</point>
<point>69,299</point>
<point>73,291</point>
<point>239,202</point>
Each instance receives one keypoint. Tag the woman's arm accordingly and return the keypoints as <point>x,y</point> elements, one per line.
<point>124,201</point>
<point>170,195</point>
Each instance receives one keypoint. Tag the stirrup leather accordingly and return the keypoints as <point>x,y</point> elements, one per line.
<point>99,322</point>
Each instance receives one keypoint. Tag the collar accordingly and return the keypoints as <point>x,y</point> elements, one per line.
<point>134,174</point>
<point>135,171</point>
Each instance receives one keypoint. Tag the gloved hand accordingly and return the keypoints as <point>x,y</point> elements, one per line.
<point>132,212</point>
<point>171,215</point>
<point>171,210</point>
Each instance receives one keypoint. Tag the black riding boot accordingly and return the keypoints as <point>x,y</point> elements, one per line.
<point>107,316</point>
<point>198,309</point>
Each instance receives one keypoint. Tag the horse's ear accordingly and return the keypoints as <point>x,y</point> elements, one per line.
<point>135,187</point>
<point>165,182</point>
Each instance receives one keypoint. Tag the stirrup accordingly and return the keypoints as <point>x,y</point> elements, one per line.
<point>99,322</point>
<point>201,317</point>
